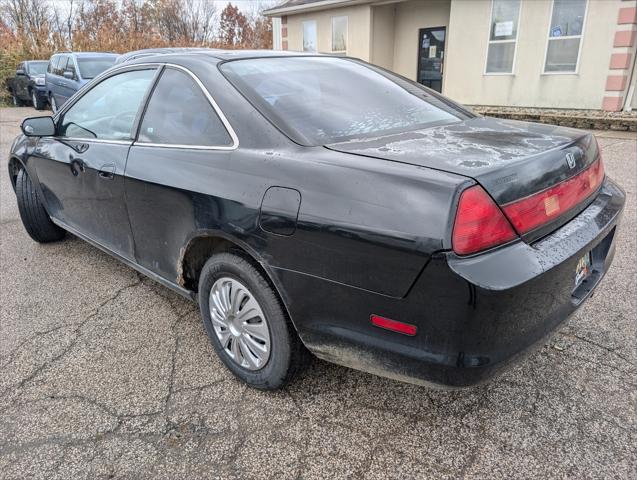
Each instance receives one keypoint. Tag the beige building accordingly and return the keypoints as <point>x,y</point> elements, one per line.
<point>526,53</point>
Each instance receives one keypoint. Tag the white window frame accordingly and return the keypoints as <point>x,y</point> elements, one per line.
<point>512,40</point>
<point>303,36</point>
<point>346,33</point>
<point>566,37</point>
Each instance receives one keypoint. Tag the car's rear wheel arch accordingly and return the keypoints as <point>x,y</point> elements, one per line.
<point>15,165</point>
<point>201,246</point>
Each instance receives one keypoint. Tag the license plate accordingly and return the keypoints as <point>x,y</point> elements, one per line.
<point>583,269</point>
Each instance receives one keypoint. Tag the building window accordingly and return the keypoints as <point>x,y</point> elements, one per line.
<point>565,36</point>
<point>503,35</point>
<point>339,34</point>
<point>309,36</point>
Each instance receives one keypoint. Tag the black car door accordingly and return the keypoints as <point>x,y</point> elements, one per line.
<point>81,169</point>
<point>182,139</point>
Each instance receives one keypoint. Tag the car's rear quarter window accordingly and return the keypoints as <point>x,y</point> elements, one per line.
<point>178,113</point>
<point>92,67</point>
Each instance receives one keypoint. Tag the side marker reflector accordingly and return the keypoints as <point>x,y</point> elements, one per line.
<point>393,325</point>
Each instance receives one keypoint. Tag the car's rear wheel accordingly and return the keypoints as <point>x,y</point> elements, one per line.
<point>37,101</point>
<point>34,217</point>
<point>16,101</point>
<point>247,324</point>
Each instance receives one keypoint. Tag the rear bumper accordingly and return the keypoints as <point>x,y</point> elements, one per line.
<point>473,314</point>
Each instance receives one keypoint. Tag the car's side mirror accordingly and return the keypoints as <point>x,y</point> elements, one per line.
<point>69,75</point>
<point>38,127</point>
<point>19,71</point>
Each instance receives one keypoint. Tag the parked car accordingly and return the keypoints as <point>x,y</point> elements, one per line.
<point>28,84</point>
<point>67,72</point>
<point>309,201</point>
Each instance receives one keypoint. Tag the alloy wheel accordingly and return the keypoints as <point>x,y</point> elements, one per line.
<point>239,323</point>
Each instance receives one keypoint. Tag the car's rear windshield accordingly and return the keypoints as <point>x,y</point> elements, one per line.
<point>37,68</point>
<point>323,100</point>
<point>92,67</point>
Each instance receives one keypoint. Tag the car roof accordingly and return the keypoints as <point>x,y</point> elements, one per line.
<point>87,54</point>
<point>94,54</point>
<point>147,52</point>
<point>215,55</point>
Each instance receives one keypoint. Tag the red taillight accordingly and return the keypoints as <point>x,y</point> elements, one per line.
<point>393,325</point>
<point>540,208</point>
<point>480,224</point>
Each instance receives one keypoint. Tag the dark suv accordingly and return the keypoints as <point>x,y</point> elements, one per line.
<point>68,72</point>
<point>28,84</point>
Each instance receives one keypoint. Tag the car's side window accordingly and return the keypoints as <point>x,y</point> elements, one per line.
<point>179,113</point>
<point>59,65</point>
<point>70,67</point>
<point>52,64</point>
<point>108,110</point>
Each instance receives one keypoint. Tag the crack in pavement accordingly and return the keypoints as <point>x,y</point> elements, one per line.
<point>599,345</point>
<point>77,332</point>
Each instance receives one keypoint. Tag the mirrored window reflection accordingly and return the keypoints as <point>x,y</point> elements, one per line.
<point>565,35</point>
<point>339,34</point>
<point>309,36</point>
<point>503,36</point>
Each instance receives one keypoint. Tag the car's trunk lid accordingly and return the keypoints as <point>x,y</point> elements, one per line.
<point>510,159</point>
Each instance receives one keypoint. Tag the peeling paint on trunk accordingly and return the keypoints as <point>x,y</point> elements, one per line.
<point>510,159</point>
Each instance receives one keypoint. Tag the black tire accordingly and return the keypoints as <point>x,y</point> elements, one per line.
<point>36,221</point>
<point>37,101</point>
<point>288,355</point>
<point>16,100</point>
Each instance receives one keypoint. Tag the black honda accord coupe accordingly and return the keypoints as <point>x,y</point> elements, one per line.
<point>322,204</point>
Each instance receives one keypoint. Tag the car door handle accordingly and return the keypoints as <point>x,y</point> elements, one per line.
<point>107,172</point>
<point>77,166</point>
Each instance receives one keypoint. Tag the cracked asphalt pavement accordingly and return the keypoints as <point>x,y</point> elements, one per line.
<point>106,374</point>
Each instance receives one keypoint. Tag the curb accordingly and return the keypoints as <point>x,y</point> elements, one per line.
<point>585,119</point>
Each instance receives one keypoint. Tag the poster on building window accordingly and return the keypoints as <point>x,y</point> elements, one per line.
<point>503,29</point>
<point>432,51</point>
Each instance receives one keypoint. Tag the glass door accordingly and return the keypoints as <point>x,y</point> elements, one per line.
<point>431,53</point>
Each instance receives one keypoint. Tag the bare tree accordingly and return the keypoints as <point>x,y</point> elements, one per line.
<point>29,18</point>
<point>62,21</point>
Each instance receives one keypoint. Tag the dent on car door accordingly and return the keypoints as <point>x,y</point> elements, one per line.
<point>177,175</point>
<point>81,169</point>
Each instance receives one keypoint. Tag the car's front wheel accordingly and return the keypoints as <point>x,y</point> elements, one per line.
<point>34,217</point>
<point>37,101</point>
<point>247,324</point>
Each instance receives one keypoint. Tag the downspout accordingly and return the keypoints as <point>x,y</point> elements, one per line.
<point>628,99</point>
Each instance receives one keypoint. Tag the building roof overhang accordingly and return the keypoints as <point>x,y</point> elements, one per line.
<point>299,6</point>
